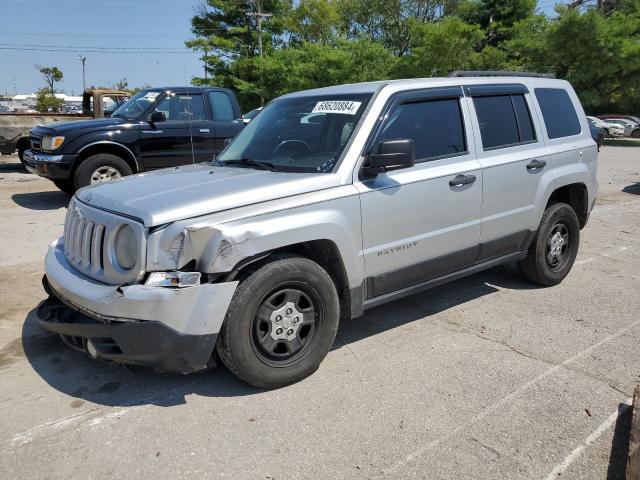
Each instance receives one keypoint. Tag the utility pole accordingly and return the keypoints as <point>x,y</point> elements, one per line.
<point>206,52</point>
<point>83,59</point>
<point>259,15</point>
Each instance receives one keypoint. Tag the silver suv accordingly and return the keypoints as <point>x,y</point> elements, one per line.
<point>330,202</point>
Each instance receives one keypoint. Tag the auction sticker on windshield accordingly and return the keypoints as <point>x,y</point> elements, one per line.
<point>346,107</point>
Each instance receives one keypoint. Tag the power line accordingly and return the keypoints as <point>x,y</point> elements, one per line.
<point>74,47</point>
<point>118,52</point>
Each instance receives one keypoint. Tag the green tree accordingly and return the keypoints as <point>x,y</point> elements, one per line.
<point>599,55</point>
<point>438,48</point>
<point>46,101</point>
<point>51,76</point>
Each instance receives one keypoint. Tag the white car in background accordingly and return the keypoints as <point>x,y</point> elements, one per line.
<point>247,117</point>
<point>631,129</point>
<point>611,129</point>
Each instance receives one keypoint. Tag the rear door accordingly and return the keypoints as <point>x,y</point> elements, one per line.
<point>422,222</point>
<point>226,124</point>
<point>515,165</point>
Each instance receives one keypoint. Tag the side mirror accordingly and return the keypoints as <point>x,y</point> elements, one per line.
<point>392,155</point>
<point>157,117</point>
<point>107,113</point>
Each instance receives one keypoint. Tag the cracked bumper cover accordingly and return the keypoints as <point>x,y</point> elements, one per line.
<point>170,329</point>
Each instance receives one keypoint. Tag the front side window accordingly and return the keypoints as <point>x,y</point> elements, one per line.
<point>557,110</point>
<point>435,126</point>
<point>137,105</point>
<point>504,120</point>
<point>298,134</point>
<point>179,107</point>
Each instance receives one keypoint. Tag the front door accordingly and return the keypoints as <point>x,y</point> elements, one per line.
<point>184,137</point>
<point>422,222</point>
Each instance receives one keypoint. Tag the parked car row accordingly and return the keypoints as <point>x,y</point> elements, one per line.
<point>629,124</point>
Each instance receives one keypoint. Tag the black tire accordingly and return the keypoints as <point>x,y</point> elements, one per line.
<point>636,133</point>
<point>21,157</point>
<point>65,186</point>
<point>89,165</point>
<point>241,342</point>
<point>540,265</point>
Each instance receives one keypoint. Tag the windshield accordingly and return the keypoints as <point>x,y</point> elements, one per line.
<point>136,105</point>
<point>298,134</point>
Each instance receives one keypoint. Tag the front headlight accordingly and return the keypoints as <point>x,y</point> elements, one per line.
<point>126,248</point>
<point>51,143</point>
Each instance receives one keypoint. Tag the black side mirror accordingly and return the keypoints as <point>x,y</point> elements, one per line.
<point>107,113</point>
<point>156,117</point>
<point>392,155</point>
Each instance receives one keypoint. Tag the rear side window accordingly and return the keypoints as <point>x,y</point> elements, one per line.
<point>504,120</point>
<point>557,110</point>
<point>435,127</point>
<point>221,106</point>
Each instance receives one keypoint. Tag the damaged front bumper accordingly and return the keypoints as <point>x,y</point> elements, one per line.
<point>171,329</point>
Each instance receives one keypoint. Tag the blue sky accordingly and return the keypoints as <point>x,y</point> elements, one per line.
<point>159,26</point>
<point>162,25</point>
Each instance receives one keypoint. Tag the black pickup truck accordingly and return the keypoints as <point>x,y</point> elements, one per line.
<point>156,128</point>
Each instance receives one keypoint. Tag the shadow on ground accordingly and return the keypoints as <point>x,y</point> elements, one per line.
<point>13,168</point>
<point>75,374</point>
<point>620,444</point>
<point>41,200</point>
<point>632,189</point>
<point>627,142</point>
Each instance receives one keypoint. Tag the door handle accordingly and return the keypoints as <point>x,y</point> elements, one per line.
<point>204,130</point>
<point>460,180</point>
<point>536,164</point>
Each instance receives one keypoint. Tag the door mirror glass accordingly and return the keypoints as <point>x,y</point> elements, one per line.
<point>392,155</point>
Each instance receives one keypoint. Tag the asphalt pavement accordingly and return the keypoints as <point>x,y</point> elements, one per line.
<point>486,377</point>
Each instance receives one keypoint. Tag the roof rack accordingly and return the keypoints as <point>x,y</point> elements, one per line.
<point>498,73</point>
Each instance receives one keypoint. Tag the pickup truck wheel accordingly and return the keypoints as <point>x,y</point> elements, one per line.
<point>100,168</point>
<point>21,157</point>
<point>554,247</point>
<point>65,186</point>
<point>281,323</point>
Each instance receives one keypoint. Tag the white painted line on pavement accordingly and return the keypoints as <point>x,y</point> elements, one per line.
<point>606,254</point>
<point>505,400</point>
<point>597,433</point>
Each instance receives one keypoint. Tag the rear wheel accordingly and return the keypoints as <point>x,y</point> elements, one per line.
<point>554,247</point>
<point>100,168</point>
<point>281,323</point>
<point>636,133</point>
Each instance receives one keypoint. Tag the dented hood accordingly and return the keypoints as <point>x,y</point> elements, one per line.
<point>172,194</point>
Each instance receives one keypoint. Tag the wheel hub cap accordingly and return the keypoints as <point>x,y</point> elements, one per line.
<point>105,174</point>
<point>285,322</point>
<point>557,242</point>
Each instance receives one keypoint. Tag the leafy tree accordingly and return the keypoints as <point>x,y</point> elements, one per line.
<point>47,101</point>
<point>51,76</point>
<point>121,84</point>
<point>438,48</point>
<point>599,55</point>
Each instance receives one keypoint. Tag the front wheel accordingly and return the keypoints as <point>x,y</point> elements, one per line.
<point>281,323</point>
<point>554,247</point>
<point>100,168</point>
<point>65,185</point>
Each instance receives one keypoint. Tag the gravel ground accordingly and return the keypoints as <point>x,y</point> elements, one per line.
<point>486,377</point>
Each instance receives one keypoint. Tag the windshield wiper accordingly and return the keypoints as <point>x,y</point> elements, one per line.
<point>250,163</point>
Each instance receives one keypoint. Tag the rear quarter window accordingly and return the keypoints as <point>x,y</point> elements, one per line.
<point>558,112</point>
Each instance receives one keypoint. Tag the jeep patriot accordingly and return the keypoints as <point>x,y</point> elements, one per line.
<point>330,202</point>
